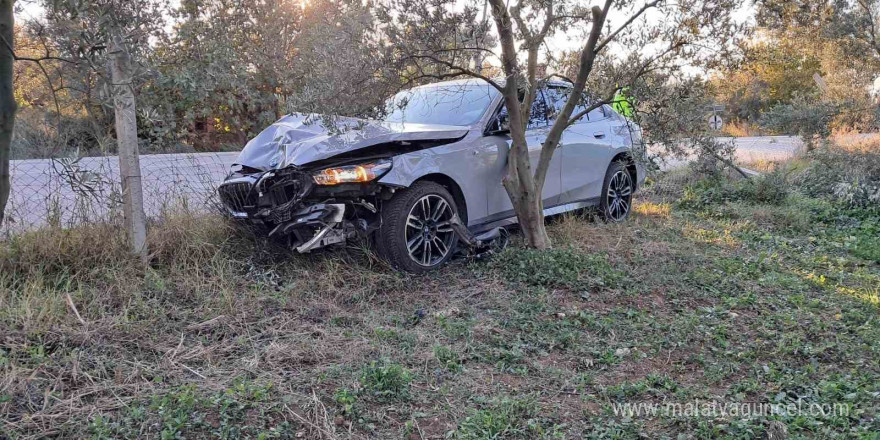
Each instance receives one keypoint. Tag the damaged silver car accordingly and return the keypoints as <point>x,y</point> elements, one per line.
<point>427,176</point>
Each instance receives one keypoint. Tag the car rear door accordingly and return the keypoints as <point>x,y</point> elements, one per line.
<point>536,132</point>
<point>583,150</point>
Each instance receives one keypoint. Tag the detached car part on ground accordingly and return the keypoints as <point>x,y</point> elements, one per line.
<point>426,177</point>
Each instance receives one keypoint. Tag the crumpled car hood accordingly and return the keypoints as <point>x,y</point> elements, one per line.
<point>301,139</point>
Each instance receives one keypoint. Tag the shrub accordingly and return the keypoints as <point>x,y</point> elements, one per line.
<point>848,177</point>
<point>766,189</point>
<point>809,118</point>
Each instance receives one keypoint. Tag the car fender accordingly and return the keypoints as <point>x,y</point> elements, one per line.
<point>446,161</point>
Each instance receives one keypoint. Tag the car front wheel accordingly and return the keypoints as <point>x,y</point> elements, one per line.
<point>416,233</point>
<point>617,191</point>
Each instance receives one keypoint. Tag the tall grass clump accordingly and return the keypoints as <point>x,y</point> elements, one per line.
<point>192,259</point>
<point>767,189</point>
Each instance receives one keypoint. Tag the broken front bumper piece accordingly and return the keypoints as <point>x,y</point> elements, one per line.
<point>483,245</point>
<point>314,226</point>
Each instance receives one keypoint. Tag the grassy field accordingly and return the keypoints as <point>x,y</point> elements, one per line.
<point>715,297</point>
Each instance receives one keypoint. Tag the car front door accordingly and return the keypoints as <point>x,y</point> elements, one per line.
<point>499,205</point>
<point>583,150</point>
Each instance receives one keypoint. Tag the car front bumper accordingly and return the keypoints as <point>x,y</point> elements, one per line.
<point>286,205</point>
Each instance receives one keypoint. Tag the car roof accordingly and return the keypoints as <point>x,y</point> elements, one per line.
<point>480,81</point>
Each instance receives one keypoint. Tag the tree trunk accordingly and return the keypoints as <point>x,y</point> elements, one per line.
<point>519,182</point>
<point>127,146</point>
<point>522,186</point>
<point>7,100</point>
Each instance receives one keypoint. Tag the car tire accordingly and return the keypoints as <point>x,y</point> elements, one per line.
<point>615,202</point>
<point>416,234</point>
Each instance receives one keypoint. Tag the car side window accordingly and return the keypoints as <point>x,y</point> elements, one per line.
<point>538,114</point>
<point>558,96</point>
<point>597,114</point>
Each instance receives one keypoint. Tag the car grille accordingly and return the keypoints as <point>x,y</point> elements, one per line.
<point>237,195</point>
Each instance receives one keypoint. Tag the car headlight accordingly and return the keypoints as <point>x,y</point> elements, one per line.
<point>360,173</point>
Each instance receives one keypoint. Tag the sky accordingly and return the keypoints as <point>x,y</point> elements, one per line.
<point>570,41</point>
<point>30,9</point>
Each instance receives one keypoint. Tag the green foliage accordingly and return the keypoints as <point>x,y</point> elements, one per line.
<point>773,81</point>
<point>559,267</point>
<point>448,358</point>
<point>506,418</point>
<point>385,381</point>
<point>211,74</point>
<point>765,189</point>
<point>347,400</point>
<point>671,125</point>
<point>850,178</point>
<point>806,117</point>
<point>772,71</point>
<point>240,411</point>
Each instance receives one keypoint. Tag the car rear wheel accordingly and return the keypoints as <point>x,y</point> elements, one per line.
<point>617,190</point>
<point>416,233</point>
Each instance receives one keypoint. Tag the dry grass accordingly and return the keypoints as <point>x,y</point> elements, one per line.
<point>742,129</point>
<point>857,142</point>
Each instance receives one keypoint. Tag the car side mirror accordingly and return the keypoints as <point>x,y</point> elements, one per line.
<point>499,125</point>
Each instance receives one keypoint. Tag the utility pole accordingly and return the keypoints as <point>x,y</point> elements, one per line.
<point>127,146</point>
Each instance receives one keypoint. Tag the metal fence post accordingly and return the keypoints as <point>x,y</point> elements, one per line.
<point>127,146</point>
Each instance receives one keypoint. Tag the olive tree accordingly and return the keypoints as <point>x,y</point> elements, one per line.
<point>649,35</point>
<point>7,99</point>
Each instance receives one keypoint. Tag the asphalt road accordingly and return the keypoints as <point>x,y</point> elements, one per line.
<point>754,149</point>
<point>62,192</point>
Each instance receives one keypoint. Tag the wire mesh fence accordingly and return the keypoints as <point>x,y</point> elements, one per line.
<point>65,192</point>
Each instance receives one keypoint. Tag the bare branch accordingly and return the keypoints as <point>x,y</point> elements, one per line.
<point>39,63</point>
<point>456,70</point>
<point>560,76</point>
<point>35,60</point>
<point>628,22</point>
<point>596,104</point>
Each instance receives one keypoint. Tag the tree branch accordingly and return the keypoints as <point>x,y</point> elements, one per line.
<point>872,31</point>
<point>456,70</point>
<point>587,58</point>
<point>39,63</point>
<point>626,24</point>
<point>35,60</point>
<point>574,118</point>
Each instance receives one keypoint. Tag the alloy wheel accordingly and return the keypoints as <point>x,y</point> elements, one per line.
<point>428,232</point>
<point>619,197</point>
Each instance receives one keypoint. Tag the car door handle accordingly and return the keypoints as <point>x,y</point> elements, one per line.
<point>599,134</point>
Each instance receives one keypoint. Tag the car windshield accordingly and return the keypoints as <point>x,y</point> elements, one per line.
<point>445,104</point>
